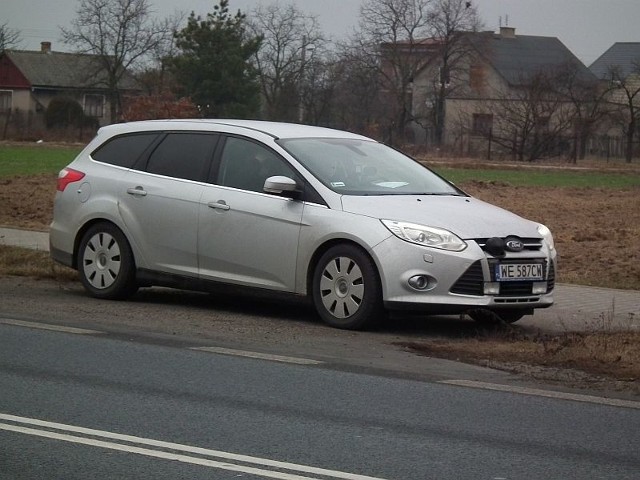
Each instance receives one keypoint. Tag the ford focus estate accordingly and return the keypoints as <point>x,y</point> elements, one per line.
<point>356,226</point>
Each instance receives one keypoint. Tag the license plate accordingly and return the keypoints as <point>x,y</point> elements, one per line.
<point>509,272</point>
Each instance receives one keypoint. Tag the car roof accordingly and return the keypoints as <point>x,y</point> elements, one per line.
<point>274,129</point>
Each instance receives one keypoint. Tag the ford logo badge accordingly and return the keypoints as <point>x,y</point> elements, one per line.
<point>514,244</point>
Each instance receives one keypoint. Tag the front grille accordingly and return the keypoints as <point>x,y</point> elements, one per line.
<point>530,244</point>
<point>470,282</point>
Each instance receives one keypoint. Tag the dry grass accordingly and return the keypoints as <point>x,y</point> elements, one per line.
<point>611,354</point>
<point>33,263</point>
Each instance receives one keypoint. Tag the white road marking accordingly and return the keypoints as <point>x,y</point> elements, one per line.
<point>262,356</point>
<point>137,449</point>
<point>45,326</point>
<point>613,402</point>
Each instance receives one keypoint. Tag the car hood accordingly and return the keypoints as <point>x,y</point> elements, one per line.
<point>467,217</point>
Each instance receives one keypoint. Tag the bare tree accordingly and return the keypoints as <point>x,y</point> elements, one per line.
<point>625,95</point>
<point>359,103</point>
<point>9,38</point>
<point>587,98</point>
<point>403,38</point>
<point>290,40</point>
<point>121,34</point>
<point>388,41</point>
<point>450,22</point>
<point>155,75</point>
<point>532,121</point>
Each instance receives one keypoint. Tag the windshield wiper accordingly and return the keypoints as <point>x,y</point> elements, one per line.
<point>440,194</point>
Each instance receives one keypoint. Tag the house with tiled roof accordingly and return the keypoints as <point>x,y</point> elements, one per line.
<point>493,76</point>
<point>622,58</point>
<point>29,80</point>
<point>619,71</point>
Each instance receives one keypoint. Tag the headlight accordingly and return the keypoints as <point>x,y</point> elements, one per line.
<point>425,236</point>
<point>547,237</point>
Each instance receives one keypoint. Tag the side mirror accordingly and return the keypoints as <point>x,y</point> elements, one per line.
<point>279,184</point>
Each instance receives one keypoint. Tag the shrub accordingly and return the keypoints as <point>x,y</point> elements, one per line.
<point>66,112</point>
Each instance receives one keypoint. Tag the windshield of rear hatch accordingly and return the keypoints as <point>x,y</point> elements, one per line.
<point>362,167</point>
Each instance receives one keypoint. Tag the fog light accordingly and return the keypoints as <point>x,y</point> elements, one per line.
<point>539,287</point>
<point>419,282</point>
<point>491,288</point>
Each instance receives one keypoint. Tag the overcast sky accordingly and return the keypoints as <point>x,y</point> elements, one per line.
<point>587,27</point>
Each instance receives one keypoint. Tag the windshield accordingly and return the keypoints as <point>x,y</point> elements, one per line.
<point>361,167</point>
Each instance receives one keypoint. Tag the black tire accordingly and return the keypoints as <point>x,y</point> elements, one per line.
<point>346,288</point>
<point>105,263</point>
<point>494,317</point>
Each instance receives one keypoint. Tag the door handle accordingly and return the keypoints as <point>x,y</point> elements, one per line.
<point>219,205</point>
<point>138,191</point>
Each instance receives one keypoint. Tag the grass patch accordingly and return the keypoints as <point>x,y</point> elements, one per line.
<point>542,178</point>
<point>34,159</point>
<point>25,262</point>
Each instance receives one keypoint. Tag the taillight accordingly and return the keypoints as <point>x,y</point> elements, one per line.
<point>67,176</point>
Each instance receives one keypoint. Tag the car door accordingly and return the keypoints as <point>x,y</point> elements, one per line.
<point>246,236</point>
<point>160,202</point>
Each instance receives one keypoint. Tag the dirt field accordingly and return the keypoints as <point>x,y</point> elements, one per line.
<point>597,231</point>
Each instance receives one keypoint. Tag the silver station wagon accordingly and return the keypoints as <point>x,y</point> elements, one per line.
<point>355,225</point>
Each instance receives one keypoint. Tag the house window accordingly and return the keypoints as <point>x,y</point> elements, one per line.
<point>482,123</point>
<point>94,105</point>
<point>6,98</point>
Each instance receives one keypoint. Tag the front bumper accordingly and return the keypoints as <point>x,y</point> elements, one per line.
<point>457,280</point>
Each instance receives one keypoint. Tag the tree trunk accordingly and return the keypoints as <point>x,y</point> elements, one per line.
<point>631,131</point>
<point>440,116</point>
<point>113,107</point>
<point>584,138</point>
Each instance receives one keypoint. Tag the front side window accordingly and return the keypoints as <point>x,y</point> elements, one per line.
<point>246,165</point>
<point>94,105</point>
<point>6,100</point>
<point>365,167</point>
<point>183,155</point>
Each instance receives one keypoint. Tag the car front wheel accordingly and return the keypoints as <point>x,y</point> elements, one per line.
<point>346,288</point>
<point>105,263</point>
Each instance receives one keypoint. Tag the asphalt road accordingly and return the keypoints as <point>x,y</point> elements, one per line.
<point>71,405</point>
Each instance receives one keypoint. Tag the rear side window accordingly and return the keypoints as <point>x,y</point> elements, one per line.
<point>123,151</point>
<point>183,155</point>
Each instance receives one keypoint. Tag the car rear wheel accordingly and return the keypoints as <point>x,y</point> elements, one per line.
<point>346,288</point>
<point>105,263</point>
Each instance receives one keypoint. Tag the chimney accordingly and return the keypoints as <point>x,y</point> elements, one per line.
<point>507,32</point>
<point>45,47</point>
